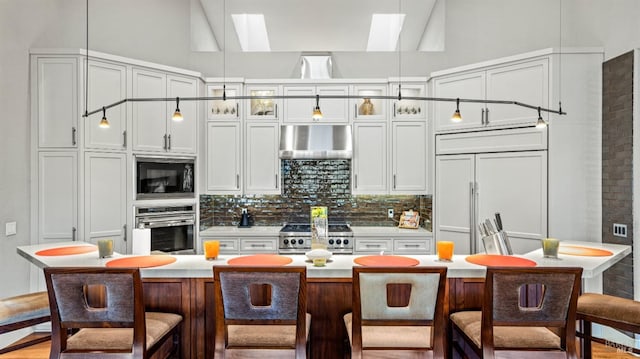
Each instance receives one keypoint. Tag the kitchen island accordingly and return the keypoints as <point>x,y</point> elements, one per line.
<point>186,287</point>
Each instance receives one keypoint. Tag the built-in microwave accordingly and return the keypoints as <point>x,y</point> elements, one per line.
<point>158,178</point>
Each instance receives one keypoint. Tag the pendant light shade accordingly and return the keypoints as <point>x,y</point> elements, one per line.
<point>177,116</point>
<point>457,117</point>
<point>317,114</point>
<point>541,123</point>
<point>104,123</point>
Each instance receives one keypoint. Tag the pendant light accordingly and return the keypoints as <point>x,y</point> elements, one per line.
<point>317,114</point>
<point>177,116</point>
<point>457,117</point>
<point>541,122</point>
<point>104,123</point>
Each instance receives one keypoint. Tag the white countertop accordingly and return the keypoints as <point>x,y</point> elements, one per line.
<point>195,266</point>
<point>271,231</point>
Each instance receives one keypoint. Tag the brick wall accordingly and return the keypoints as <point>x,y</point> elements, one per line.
<point>307,183</point>
<point>617,166</point>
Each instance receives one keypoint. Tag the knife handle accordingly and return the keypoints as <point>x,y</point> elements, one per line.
<point>498,221</point>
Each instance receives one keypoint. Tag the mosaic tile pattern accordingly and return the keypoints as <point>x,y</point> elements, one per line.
<point>309,183</point>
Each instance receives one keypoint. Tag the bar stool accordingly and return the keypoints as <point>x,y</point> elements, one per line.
<point>614,312</point>
<point>23,311</point>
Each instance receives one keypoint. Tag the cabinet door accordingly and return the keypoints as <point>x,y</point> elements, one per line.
<point>527,83</point>
<point>369,158</point>
<point>334,110</point>
<point>57,102</point>
<point>57,196</point>
<point>503,177</point>
<point>107,85</point>
<point>372,245</point>
<point>299,110</point>
<point>466,86</point>
<point>105,198</point>
<point>262,162</point>
<point>262,109</point>
<point>182,135</point>
<point>375,108</point>
<point>223,110</point>
<point>409,158</point>
<point>223,158</point>
<point>407,109</point>
<point>149,118</point>
<point>453,200</point>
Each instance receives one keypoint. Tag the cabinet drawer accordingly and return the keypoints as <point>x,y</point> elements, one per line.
<point>373,245</point>
<point>227,245</point>
<point>269,245</point>
<point>412,246</point>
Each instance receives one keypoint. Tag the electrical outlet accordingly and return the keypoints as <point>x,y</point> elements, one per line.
<point>390,213</point>
<point>619,230</point>
<point>10,229</point>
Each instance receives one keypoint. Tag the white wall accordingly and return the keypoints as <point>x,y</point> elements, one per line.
<point>158,30</point>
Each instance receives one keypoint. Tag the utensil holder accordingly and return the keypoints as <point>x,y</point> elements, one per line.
<point>497,243</point>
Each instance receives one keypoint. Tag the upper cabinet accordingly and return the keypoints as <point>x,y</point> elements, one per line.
<point>223,158</point>
<point>263,108</point>
<point>367,106</point>
<point>107,85</point>
<point>525,81</point>
<point>407,108</point>
<point>224,108</point>
<point>55,92</point>
<point>409,157</point>
<point>262,165</point>
<point>369,164</point>
<point>299,110</point>
<point>153,127</point>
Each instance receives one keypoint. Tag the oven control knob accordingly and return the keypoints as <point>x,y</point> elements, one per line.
<point>285,241</point>
<point>338,241</point>
<point>331,241</point>
<point>300,241</point>
<point>346,241</point>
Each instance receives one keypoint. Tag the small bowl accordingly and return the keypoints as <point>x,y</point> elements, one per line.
<point>319,257</point>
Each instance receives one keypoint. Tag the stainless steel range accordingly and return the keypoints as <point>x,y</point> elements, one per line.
<point>296,239</point>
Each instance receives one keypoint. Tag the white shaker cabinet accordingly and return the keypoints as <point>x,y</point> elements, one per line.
<point>56,96</point>
<point>227,109</point>
<point>57,196</point>
<point>408,157</point>
<point>369,174</point>
<point>263,109</point>
<point>262,164</point>
<point>105,198</point>
<point>334,110</point>
<point>153,127</point>
<point>407,108</point>
<point>526,82</point>
<point>107,85</point>
<point>223,161</point>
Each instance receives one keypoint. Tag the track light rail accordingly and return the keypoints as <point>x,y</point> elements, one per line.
<point>313,97</point>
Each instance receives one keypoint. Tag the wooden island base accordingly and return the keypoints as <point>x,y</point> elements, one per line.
<point>328,300</point>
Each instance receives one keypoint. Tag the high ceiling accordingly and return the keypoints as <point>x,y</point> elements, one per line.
<point>312,25</point>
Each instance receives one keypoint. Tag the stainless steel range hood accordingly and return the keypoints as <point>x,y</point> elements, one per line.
<point>315,142</point>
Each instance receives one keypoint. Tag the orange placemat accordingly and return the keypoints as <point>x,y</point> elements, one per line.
<point>496,260</point>
<point>584,251</point>
<point>386,261</point>
<point>141,261</point>
<point>260,260</point>
<point>65,251</point>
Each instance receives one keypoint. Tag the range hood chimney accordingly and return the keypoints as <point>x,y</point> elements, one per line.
<point>315,142</point>
<point>316,66</point>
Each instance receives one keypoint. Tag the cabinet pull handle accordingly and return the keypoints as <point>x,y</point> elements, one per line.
<point>373,245</point>
<point>256,245</point>
<point>411,245</point>
<point>394,181</point>
<point>486,116</point>
<point>73,136</point>
<point>394,110</point>
<point>124,138</point>
<point>124,233</point>
<point>237,110</point>
<point>276,107</point>
<point>355,112</point>
<point>169,143</point>
<point>73,233</point>
<point>165,141</point>
<point>482,116</point>
<point>277,181</point>
<point>237,181</point>
<point>223,245</point>
<point>356,180</point>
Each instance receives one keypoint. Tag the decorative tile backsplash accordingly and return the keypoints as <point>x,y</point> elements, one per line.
<point>307,183</point>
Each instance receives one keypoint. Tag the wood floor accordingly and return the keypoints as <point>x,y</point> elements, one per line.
<point>41,351</point>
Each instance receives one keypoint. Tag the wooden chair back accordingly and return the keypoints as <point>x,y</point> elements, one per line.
<point>373,303</point>
<point>95,298</point>
<point>260,296</point>
<point>556,307</point>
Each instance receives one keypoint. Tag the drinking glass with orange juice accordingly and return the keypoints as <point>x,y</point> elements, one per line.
<point>211,250</point>
<point>445,250</point>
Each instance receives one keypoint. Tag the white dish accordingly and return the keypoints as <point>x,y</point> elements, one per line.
<point>318,254</point>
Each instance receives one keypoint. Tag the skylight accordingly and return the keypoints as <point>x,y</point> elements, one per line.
<point>251,31</point>
<point>385,31</point>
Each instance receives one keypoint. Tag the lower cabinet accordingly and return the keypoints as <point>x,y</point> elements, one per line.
<point>57,195</point>
<point>240,245</point>
<point>392,245</point>
<point>372,245</point>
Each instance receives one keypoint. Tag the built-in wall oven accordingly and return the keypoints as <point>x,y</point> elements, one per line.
<point>172,227</point>
<point>164,178</point>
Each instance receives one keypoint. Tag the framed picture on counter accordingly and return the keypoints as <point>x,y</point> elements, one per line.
<point>409,219</point>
